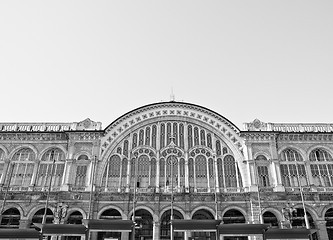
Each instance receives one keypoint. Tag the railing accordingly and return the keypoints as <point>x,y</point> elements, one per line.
<point>37,127</point>
<point>309,189</point>
<point>291,127</point>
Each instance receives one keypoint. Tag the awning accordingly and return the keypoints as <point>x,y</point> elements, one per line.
<point>294,233</point>
<point>19,233</point>
<point>180,225</point>
<point>242,228</point>
<point>101,225</point>
<point>61,229</point>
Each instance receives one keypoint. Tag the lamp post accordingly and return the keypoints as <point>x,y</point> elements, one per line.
<point>307,225</point>
<point>92,187</point>
<point>7,188</point>
<point>256,172</point>
<point>134,196</point>
<point>172,160</point>
<point>48,192</point>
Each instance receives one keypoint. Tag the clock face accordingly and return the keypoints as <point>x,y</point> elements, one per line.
<point>256,123</point>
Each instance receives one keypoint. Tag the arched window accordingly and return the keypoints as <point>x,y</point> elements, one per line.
<point>75,218</point>
<point>261,158</point>
<point>141,133</point>
<point>162,139</point>
<point>52,164</point>
<point>320,155</point>
<point>165,225</point>
<point>190,136</point>
<point>233,216</point>
<point>175,133</point>
<point>134,140</point>
<point>291,155</point>
<point>271,219</point>
<point>147,139</point>
<point>321,164</point>
<point>181,135</point>
<point>293,171</point>
<point>154,136</point>
<point>11,218</point>
<point>196,136</point>
<point>22,168</point>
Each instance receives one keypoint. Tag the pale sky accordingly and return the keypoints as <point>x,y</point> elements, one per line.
<point>64,61</point>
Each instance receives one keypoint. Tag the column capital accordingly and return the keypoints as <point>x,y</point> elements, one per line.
<point>321,222</point>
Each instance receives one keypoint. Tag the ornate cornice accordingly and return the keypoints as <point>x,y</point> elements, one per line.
<point>259,136</point>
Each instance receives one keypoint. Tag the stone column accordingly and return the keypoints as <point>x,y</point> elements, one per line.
<point>24,223</point>
<point>322,231</point>
<point>34,175</point>
<point>69,174</point>
<point>125,236</point>
<point>156,230</point>
<point>5,176</point>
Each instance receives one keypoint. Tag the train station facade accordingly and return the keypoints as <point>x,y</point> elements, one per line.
<point>167,160</point>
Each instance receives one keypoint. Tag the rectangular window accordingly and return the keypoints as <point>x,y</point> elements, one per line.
<point>81,173</point>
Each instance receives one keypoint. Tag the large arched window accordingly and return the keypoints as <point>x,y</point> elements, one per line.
<point>112,173</point>
<point>293,171</point>
<point>321,164</point>
<point>51,166</point>
<point>22,168</point>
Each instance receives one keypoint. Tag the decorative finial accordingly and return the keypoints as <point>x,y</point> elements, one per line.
<point>172,96</point>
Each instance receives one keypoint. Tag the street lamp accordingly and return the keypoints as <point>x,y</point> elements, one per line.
<point>134,195</point>
<point>49,189</point>
<point>307,225</point>
<point>171,160</point>
<point>7,188</point>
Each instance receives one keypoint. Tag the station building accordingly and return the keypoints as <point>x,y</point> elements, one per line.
<point>168,160</point>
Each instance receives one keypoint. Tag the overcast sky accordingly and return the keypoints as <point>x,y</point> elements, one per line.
<point>64,61</point>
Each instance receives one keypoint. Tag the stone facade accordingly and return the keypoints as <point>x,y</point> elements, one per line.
<point>164,157</point>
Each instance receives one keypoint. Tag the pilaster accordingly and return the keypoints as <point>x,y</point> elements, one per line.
<point>322,231</point>
<point>24,223</point>
<point>156,230</point>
